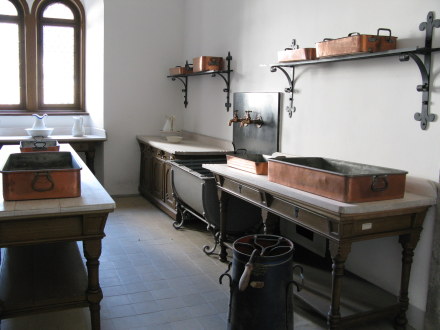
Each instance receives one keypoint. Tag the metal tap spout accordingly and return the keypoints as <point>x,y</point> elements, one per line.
<point>235,118</point>
<point>247,120</point>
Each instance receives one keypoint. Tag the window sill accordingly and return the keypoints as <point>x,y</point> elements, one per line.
<point>49,112</point>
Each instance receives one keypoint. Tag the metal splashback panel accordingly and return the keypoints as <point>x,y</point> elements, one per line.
<point>264,140</point>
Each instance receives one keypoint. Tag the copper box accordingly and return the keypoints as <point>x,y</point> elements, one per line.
<point>207,63</point>
<point>39,145</point>
<point>40,175</point>
<point>359,43</point>
<point>180,70</point>
<point>253,163</point>
<point>336,179</point>
<point>301,54</point>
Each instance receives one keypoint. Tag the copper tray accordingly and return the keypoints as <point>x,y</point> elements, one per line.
<point>336,179</point>
<point>301,54</point>
<point>39,145</point>
<point>356,43</point>
<point>253,163</point>
<point>207,63</point>
<point>40,175</point>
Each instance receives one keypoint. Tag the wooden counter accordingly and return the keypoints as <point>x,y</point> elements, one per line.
<point>155,172</point>
<point>40,237</point>
<point>342,224</point>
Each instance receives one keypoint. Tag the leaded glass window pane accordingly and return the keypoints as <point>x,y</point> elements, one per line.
<point>58,10</point>
<point>58,65</point>
<point>9,64</point>
<point>7,8</point>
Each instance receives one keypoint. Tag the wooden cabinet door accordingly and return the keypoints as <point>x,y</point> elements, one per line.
<point>157,181</point>
<point>168,193</point>
<point>145,176</point>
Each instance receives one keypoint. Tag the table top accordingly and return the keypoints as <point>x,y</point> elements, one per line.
<point>93,195</point>
<point>419,192</point>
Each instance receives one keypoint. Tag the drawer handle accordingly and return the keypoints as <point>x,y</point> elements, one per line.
<point>42,183</point>
<point>239,188</point>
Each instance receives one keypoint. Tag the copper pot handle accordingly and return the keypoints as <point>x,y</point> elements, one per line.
<point>380,183</point>
<point>36,179</point>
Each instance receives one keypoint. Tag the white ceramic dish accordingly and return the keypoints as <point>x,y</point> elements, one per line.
<point>174,138</point>
<point>44,132</point>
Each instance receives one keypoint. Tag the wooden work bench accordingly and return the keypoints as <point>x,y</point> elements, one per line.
<point>342,225</point>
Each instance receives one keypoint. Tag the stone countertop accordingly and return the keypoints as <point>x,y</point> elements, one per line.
<point>419,192</point>
<point>192,144</point>
<point>14,135</point>
<point>93,196</point>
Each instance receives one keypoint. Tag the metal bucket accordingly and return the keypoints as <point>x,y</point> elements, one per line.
<point>261,295</point>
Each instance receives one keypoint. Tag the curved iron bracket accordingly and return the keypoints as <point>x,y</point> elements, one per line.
<point>227,80</point>
<point>291,81</point>
<point>425,69</point>
<point>185,89</point>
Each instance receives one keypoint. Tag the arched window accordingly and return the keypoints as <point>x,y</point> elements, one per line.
<point>42,57</point>
<point>12,56</point>
<point>60,53</point>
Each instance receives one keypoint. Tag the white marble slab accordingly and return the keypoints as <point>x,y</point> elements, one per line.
<point>93,195</point>
<point>419,192</point>
<point>192,144</point>
<point>8,135</point>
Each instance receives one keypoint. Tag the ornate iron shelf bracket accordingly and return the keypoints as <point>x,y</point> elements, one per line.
<point>227,80</point>
<point>225,74</point>
<point>185,89</point>
<point>424,117</point>
<point>291,81</point>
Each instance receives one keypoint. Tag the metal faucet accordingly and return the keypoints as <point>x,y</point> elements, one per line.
<point>248,120</point>
<point>235,118</point>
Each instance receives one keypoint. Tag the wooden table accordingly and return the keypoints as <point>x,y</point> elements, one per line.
<point>42,267</point>
<point>342,224</point>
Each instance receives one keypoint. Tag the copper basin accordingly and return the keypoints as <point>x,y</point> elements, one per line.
<point>40,175</point>
<point>336,179</point>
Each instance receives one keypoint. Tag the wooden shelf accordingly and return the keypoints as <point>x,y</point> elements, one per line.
<point>37,278</point>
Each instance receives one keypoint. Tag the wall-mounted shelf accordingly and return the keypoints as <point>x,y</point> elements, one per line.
<point>224,74</point>
<point>404,54</point>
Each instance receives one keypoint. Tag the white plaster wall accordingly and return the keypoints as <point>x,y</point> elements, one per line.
<point>142,40</point>
<point>358,111</point>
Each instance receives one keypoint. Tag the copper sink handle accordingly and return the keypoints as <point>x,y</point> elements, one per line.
<point>36,179</point>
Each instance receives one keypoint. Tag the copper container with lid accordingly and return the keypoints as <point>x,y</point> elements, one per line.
<point>356,43</point>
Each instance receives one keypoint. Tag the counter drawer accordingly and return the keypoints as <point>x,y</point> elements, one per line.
<point>303,217</point>
<point>243,190</point>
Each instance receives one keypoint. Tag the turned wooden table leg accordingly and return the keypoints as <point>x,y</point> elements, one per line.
<point>92,252</point>
<point>339,253</point>
<point>224,198</point>
<point>408,243</point>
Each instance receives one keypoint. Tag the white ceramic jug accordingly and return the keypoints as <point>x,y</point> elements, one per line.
<point>39,121</point>
<point>169,124</point>
<point>78,126</point>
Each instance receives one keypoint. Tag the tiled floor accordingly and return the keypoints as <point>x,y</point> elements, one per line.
<point>153,277</point>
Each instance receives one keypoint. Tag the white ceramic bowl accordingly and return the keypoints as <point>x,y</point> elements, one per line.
<point>44,132</point>
<point>174,138</point>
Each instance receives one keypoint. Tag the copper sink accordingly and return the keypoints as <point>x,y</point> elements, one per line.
<point>336,179</point>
